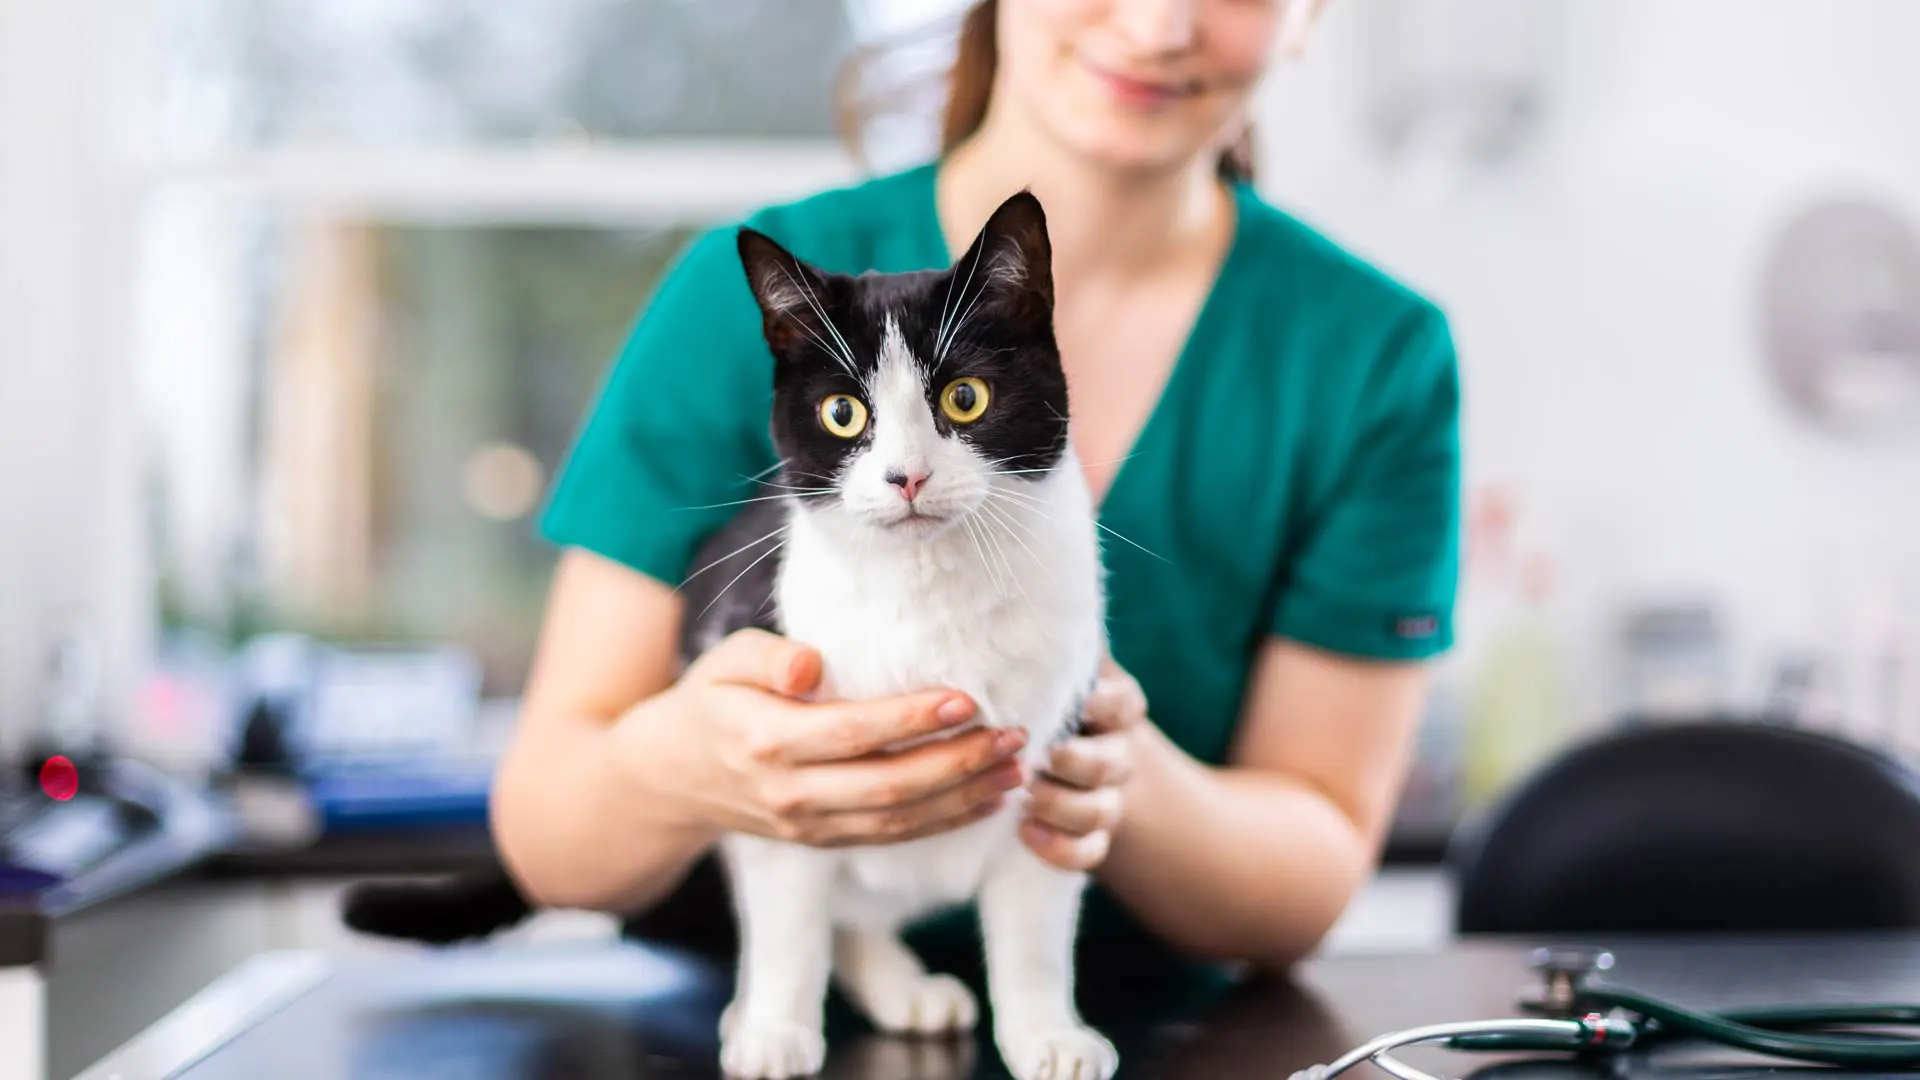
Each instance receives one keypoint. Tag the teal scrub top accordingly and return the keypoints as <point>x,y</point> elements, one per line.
<point>1299,475</point>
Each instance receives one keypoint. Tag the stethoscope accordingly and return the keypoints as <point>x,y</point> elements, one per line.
<point>1581,1017</point>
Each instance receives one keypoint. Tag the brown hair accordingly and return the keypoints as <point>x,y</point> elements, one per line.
<point>970,88</point>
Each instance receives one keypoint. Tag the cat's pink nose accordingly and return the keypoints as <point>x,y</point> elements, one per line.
<point>908,483</point>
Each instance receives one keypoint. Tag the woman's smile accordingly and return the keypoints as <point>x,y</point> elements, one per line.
<point>1136,90</point>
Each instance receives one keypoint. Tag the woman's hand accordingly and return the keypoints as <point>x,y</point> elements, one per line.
<point>731,745</point>
<point>1078,801</point>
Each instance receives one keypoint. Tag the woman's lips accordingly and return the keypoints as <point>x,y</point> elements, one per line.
<point>1138,91</point>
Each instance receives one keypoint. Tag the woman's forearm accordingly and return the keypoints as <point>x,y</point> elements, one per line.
<point>577,831</point>
<point>1232,865</point>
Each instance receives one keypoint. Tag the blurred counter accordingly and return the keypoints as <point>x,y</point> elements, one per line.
<point>70,985</point>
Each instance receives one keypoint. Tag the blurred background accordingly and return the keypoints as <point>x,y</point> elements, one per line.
<point>300,305</point>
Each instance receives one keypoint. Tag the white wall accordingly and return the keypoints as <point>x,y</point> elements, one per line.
<point>1603,292</point>
<point>68,526</point>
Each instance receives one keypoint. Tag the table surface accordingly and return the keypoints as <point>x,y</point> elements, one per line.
<point>587,1011</point>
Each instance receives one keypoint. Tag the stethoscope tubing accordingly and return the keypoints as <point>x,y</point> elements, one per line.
<point>1565,1034</point>
<point>1759,1030</point>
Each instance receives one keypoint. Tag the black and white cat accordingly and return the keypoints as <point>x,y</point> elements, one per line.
<point>934,529</point>
<point>940,533</point>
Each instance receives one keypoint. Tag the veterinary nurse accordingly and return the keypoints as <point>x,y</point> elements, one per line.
<point>1268,421</point>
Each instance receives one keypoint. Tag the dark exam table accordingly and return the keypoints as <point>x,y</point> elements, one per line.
<point>585,1012</point>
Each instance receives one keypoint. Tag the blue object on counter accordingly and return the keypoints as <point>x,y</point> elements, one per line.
<point>404,794</point>
<point>25,880</point>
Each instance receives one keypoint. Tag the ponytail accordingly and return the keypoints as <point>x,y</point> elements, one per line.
<point>970,89</point>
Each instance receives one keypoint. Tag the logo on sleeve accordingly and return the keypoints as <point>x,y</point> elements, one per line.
<point>1416,626</point>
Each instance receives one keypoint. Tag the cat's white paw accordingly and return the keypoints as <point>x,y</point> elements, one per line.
<point>1057,1053</point>
<point>930,1005</point>
<point>762,1050</point>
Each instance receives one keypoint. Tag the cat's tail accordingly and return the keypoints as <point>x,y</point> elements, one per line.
<point>460,908</point>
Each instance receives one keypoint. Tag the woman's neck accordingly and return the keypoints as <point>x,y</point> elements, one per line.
<point>1101,222</point>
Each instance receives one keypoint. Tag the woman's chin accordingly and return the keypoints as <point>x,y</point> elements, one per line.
<point>1129,146</point>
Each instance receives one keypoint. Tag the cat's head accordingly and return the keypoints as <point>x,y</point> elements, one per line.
<point>903,401</point>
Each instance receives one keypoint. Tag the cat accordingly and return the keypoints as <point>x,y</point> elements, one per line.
<point>932,527</point>
<point>939,532</point>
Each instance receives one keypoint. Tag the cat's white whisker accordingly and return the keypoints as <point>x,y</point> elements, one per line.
<point>986,563</point>
<point>1007,525</point>
<point>846,351</point>
<point>1050,468</point>
<point>741,574</point>
<point>790,493</point>
<point>965,319</point>
<point>944,339</point>
<point>1037,504</point>
<point>830,350</point>
<point>941,333</point>
<point>756,477</point>
<point>1015,509</point>
<point>750,545</point>
<point>1105,528</point>
<point>835,481</point>
<point>795,488</point>
<point>811,332</point>
<point>783,486</point>
<point>1011,515</point>
<point>1000,550</point>
<point>974,539</point>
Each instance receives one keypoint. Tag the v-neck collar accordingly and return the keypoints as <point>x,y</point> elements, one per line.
<point>1197,344</point>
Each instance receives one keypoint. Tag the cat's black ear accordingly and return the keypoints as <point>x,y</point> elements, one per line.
<point>793,296</point>
<point>1013,259</point>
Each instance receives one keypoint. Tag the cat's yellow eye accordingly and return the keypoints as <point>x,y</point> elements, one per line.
<point>964,400</point>
<point>843,415</point>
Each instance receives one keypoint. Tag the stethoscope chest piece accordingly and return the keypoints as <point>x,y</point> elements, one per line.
<point>1563,971</point>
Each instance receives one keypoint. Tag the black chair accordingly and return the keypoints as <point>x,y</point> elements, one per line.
<point>1712,825</point>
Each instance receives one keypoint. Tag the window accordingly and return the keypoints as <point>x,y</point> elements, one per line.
<point>395,397</point>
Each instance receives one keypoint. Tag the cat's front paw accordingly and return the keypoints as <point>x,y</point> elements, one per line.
<point>930,1005</point>
<point>1072,1052</point>
<point>769,1050</point>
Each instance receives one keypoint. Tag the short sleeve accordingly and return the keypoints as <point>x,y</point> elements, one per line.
<point>1376,573</point>
<point>679,426</point>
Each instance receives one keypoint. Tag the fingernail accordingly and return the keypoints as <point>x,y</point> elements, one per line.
<point>1010,776</point>
<point>956,709</point>
<point>1009,740</point>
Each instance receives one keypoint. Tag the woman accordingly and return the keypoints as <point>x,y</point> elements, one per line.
<point>1268,422</point>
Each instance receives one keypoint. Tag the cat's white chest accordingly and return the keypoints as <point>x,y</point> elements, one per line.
<point>981,614</point>
<point>1022,637</point>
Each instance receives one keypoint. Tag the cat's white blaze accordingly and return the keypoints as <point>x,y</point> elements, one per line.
<point>906,440</point>
<point>889,614</point>
<point>904,436</point>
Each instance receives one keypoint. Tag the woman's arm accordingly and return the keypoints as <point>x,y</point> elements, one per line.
<point>1256,860</point>
<point>608,642</point>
